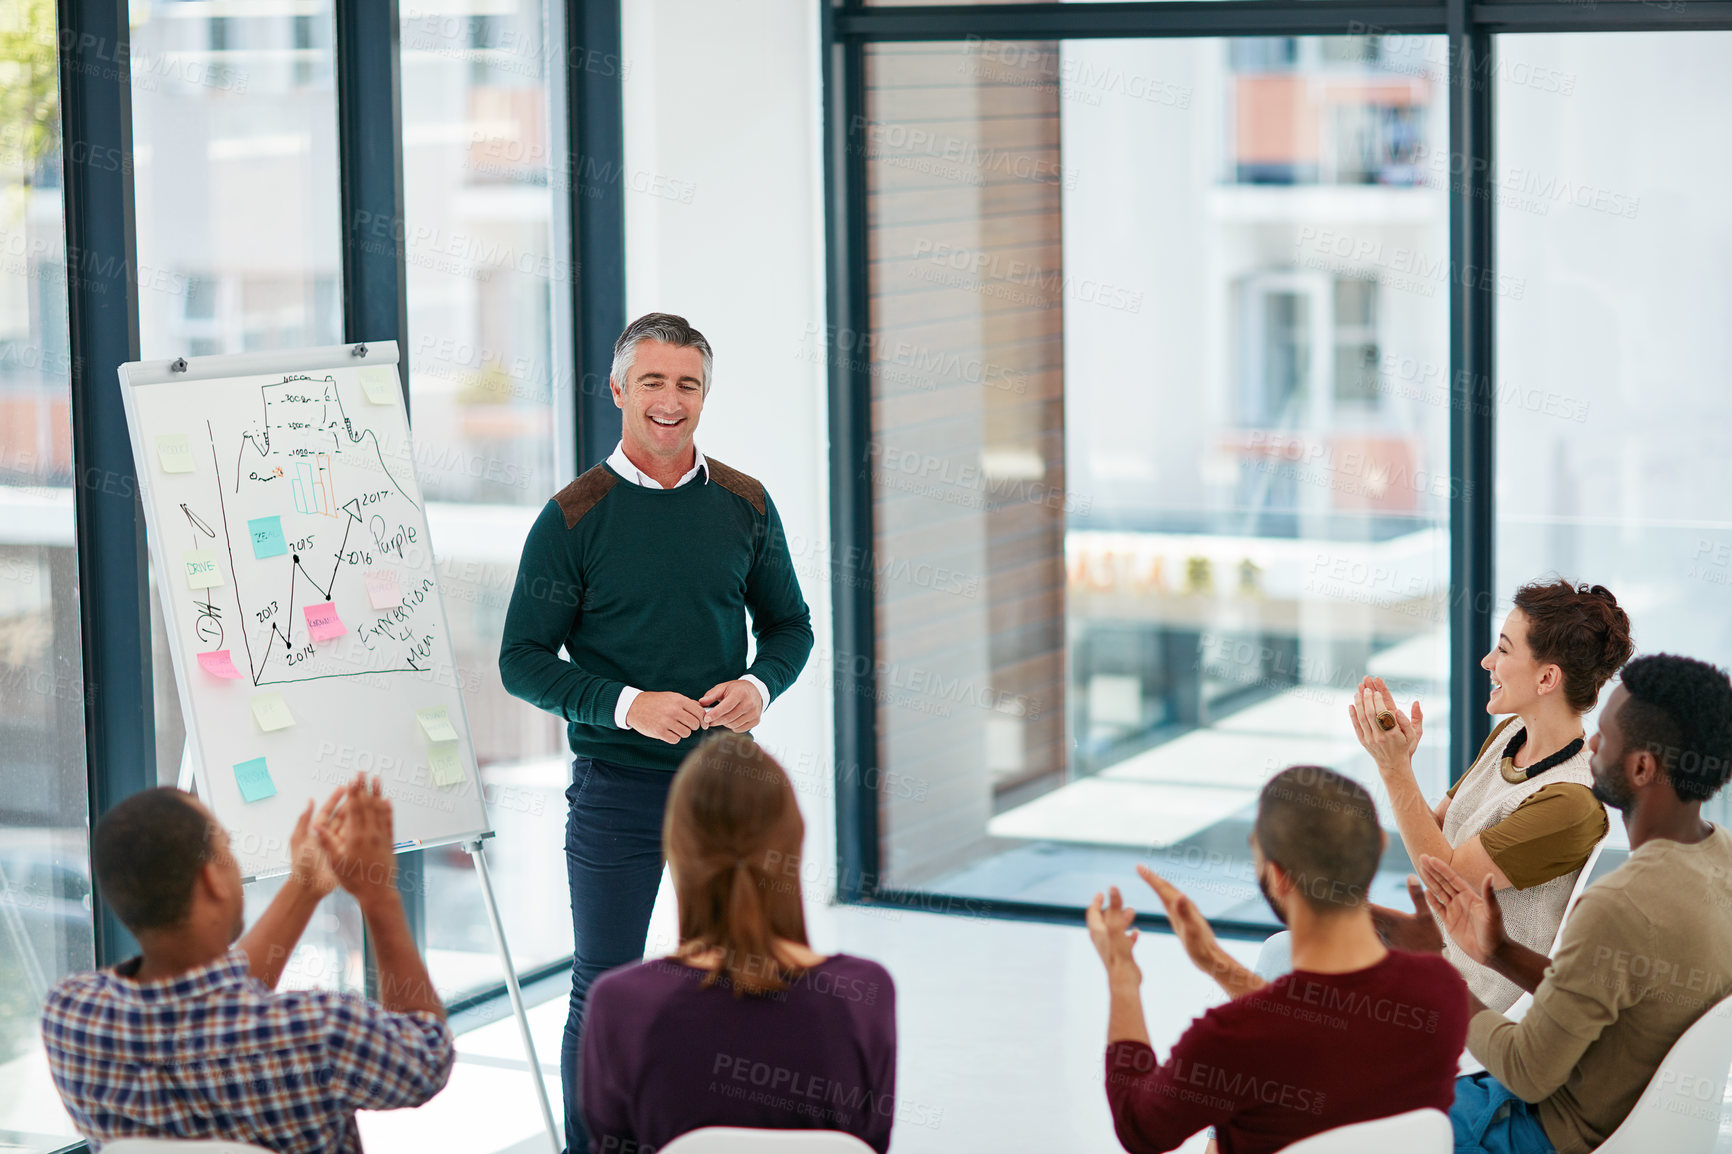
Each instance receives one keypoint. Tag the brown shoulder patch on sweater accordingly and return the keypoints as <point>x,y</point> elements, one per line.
<point>737,482</point>
<point>580,496</point>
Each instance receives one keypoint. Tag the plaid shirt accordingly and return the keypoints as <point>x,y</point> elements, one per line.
<point>214,1054</point>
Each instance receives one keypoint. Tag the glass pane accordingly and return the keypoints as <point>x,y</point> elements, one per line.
<point>45,925</point>
<point>479,201</point>
<point>1612,347</point>
<point>235,172</point>
<point>1160,445</point>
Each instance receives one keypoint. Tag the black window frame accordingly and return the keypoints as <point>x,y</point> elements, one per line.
<point>850,27</point>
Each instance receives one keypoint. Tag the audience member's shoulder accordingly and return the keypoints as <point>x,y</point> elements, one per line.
<point>75,990</point>
<point>642,978</point>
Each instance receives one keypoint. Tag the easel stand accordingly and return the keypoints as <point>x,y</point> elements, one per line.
<point>479,857</point>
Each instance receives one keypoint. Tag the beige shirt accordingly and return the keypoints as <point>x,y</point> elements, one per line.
<point>1646,952</point>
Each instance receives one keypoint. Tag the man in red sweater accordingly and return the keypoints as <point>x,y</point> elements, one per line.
<point>1357,1031</point>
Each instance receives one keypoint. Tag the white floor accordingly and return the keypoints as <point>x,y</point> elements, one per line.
<point>1001,1039</point>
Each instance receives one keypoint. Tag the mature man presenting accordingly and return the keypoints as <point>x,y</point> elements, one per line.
<point>644,569</point>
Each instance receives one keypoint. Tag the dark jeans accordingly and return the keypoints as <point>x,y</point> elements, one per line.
<point>613,859</point>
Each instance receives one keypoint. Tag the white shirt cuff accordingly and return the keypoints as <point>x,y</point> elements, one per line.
<point>626,697</point>
<point>763,693</point>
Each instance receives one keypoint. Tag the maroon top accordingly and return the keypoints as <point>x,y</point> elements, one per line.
<point>663,1055</point>
<point>1305,1054</point>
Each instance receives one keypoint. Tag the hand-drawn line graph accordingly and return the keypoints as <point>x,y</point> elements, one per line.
<point>307,439</point>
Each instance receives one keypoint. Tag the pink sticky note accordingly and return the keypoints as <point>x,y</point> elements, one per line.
<point>323,622</point>
<point>218,664</point>
<point>382,589</point>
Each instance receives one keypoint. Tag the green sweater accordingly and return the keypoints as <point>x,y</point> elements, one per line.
<point>650,587</point>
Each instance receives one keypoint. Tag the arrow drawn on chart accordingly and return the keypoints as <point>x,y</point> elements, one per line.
<point>353,508</point>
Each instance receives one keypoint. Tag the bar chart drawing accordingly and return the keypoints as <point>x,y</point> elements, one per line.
<point>312,487</point>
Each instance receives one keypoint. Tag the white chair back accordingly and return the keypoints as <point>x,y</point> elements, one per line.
<point>1582,880</point>
<point>739,1140</point>
<point>1415,1132</point>
<point>178,1146</point>
<point>1679,1112</point>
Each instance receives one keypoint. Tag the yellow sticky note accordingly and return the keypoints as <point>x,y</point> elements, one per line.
<point>446,764</point>
<point>272,712</point>
<point>201,569</point>
<point>436,721</point>
<point>173,453</point>
<point>380,384</point>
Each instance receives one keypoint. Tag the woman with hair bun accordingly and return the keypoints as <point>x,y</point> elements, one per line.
<point>1524,814</point>
<point>744,1024</point>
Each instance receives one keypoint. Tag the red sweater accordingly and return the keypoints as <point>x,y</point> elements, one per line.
<point>1306,1053</point>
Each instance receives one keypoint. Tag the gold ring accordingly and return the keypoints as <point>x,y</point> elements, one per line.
<point>1386,719</point>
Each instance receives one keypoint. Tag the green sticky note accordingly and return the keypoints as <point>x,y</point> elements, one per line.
<point>201,569</point>
<point>379,383</point>
<point>254,780</point>
<point>267,535</point>
<point>272,712</point>
<point>436,722</point>
<point>173,453</point>
<point>446,763</point>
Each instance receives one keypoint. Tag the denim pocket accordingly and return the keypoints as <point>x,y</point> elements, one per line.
<point>582,769</point>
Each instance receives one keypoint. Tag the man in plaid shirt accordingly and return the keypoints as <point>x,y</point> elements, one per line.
<point>190,1041</point>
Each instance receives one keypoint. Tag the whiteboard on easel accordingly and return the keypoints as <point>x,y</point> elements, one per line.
<point>299,591</point>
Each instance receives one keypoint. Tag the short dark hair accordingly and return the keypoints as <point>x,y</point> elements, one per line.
<point>146,853</point>
<point>1680,710</point>
<point>1581,630</point>
<point>1322,829</point>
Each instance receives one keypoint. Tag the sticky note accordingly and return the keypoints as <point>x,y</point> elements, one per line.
<point>382,589</point>
<point>254,780</point>
<point>267,535</point>
<point>272,712</point>
<point>436,721</point>
<point>323,622</point>
<point>379,383</point>
<point>446,763</point>
<point>201,569</point>
<point>218,663</point>
<point>173,453</point>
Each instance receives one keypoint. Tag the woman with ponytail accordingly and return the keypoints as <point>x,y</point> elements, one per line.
<point>1524,814</point>
<point>744,1024</point>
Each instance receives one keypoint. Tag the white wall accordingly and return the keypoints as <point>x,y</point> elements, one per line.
<point>724,225</point>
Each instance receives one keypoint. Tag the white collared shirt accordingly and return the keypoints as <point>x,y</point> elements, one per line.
<point>621,464</point>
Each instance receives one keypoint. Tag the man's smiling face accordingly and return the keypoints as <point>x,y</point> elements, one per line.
<point>661,401</point>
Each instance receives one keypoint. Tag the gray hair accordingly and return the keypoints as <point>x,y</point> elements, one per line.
<point>666,328</point>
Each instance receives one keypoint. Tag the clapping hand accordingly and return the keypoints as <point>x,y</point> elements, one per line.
<point>1392,748</point>
<point>1472,917</point>
<point>1111,929</point>
<point>1416,932</point>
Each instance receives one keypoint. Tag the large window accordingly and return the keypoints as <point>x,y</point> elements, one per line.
<point>45,910</point>
<point>235,177</point>
<point>1159,333</point>
<point>480,190</point>
<point>1614,374</point>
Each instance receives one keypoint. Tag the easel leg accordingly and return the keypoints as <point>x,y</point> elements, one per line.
<point>479,858</point>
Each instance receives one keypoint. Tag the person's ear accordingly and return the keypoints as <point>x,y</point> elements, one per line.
<point>1382,842</point>
<point>618,391</point>
<point>1642,767</point>
<point>1551,678</point>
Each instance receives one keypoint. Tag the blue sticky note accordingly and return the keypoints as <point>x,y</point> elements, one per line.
<point>254,780</point>
<point>267,535</point>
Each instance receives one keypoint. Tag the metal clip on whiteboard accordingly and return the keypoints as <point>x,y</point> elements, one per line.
<point>178,365</point>
<point>360,350</point>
